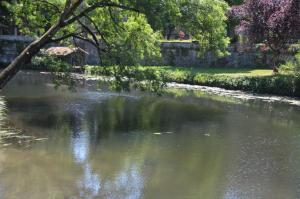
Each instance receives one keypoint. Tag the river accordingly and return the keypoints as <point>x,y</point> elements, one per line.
<point>57,144</point>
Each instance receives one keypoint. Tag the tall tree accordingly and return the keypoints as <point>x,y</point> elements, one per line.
<point>272,22</point>
<point>114,26</point>
<point>205,20</point>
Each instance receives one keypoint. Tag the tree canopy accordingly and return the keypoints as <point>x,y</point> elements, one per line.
<point>123,31</point>
<point>204,20</point>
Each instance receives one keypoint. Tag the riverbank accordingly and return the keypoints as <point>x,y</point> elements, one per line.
<point>91,83</point>
<point>260,81</point>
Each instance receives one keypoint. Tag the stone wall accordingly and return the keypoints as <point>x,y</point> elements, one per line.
<point>92,56</point>
<point>173,54</point>
<point>187,54</point>
<point>11,46</point>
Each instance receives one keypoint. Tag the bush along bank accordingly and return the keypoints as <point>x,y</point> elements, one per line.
<point>284,85</point>
<point>277,84</point>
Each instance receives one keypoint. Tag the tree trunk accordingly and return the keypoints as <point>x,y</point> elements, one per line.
<point>13,68</point>
<point>276,61</point>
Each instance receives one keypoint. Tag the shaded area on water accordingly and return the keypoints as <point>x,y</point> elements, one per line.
<point>107,145</point>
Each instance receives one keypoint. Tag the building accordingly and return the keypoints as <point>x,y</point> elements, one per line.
<point>73,56</point>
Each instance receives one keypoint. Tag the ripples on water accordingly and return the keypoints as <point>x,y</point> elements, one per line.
<point>186,144</point>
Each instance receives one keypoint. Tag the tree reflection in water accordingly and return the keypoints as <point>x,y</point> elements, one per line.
<point>104,146</point>
<point>126,183</point>
<point>89,185</point>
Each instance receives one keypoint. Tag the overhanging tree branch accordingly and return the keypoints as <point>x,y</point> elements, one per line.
<point>116,25</point>
<point>94,36</point>
<point>70,8</point>
<point>57,9</point>
<point>97,29</point>
<point>64,20</point>
<point>98,5</point>
<point>64,37</point>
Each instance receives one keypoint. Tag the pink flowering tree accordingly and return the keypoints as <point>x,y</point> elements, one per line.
<point>275,23</point>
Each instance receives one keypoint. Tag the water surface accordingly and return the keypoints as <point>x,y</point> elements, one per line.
<point>183,145</point>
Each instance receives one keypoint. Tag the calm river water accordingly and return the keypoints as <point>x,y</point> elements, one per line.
<point>183,145</point>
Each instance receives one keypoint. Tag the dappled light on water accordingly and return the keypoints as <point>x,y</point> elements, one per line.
<point>6,131</point>
<point>180,145</point>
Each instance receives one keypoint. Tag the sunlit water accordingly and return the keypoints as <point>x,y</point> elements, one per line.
<point>183,145</point>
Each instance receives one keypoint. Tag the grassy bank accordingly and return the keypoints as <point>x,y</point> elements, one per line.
<point>261,81</point>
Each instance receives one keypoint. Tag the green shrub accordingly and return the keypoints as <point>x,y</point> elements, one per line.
<point>292,66</point>
<point>127,77</point>
<point>279,84</point>
<point>61,70</point>
<point>49,63</point>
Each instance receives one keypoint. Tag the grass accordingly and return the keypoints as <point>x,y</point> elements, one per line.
<point>233,72</point>
<point>262,81</point>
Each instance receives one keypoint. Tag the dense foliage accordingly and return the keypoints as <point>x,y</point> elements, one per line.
<point>291,66</point>
<point>126,42</point>
<point>272,22</point>
<point>5,14</point>
<point>203,20</point>
<point>120,35</point>
<point>124,36</point>
<point>61,71</point>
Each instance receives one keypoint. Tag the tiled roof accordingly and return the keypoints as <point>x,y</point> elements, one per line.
<point>63,51</point>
